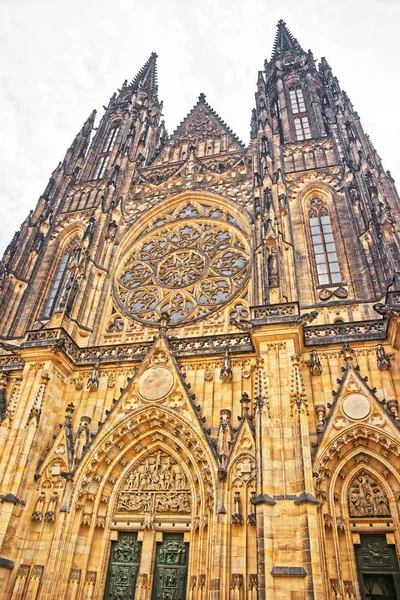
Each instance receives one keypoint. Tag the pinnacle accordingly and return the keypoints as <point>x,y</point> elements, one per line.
<point>147,76</point>
<point>88,125</point>
<point>284,40</point>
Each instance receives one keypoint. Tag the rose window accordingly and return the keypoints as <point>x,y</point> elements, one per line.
<point>186,267</point>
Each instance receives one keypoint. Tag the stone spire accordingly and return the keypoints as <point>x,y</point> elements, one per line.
<point>147,76</point>
<point>284,40</point>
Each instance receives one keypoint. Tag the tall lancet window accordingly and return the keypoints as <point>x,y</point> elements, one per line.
<point>298,106</point>
<point>57,287</point>
<point>326,260</point>
<point>105,154</point>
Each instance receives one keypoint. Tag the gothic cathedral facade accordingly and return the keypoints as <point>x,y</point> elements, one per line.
<point>199,356</point>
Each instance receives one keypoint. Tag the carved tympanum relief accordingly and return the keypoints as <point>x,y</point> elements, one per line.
<point>367,498</point>
<point>158,484</point>
<point>187,270</point>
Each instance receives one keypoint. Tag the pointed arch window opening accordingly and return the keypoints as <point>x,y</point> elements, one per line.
<point>57,287</point>
<point>297,100</point>
<point>104,158</point>
<point>302,128</point>
<point>326,259</point>
<point>298,106</point>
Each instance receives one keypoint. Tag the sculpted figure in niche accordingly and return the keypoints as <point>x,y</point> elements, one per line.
<point>272,268</point>
<point>366,498</point>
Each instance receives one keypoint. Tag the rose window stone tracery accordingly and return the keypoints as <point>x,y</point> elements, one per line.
<point>187,265</point>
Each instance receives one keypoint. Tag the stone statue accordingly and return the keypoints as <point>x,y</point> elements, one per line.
<point>315,363</point>
<point>272,268</point>
<point>226,374</point>
<point>93,381</point>
<point>382,359</point>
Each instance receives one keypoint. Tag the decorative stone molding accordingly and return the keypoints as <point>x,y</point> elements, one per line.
<point>237,343</point>
<point>253,581</point>
<point>345,332</point>
<point>74,575</point>
<point>275,313</point>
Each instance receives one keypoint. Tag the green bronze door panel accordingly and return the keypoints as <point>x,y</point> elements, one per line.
<point>170,573</point>
<point>378,569</point>
<point>123,567</point>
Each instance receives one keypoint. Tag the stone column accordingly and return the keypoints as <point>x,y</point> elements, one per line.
<point>148,537</point>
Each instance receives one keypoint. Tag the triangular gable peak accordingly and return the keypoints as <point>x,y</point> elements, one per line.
<point>202,131</point>
<point>157,384</point>
<point>357,422</point>
<point>242,451</point>
<point>154,425</point>
<point>355,403</point>
<point>159,381</point>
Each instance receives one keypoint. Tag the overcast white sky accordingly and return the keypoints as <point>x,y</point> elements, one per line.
<point>62,58</point>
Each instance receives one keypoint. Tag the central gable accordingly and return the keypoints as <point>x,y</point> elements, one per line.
<point>202,131</point>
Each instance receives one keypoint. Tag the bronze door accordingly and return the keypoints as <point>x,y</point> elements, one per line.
<point>378,569</point>
<point>170,573</point>
<point>123,567</point>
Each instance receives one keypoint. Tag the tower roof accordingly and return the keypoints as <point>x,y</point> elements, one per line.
<point>147,76</point>
<point>284,40</point>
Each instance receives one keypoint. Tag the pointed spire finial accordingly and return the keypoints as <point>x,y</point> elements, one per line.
<point>88,125</point>
<point>147,77</point>
<point>202,98</point>
<point>284,40</point>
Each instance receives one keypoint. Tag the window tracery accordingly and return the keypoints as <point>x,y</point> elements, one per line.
<point>56,297</point>
<point>105,154</point>
<point>298,106</point>
<point>187,263</point>
<point>57,285</point>
<point>297,100</point>
<point>326,259</point>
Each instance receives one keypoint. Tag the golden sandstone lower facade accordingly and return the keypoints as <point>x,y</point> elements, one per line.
<point>199,356</point>
<point>209,478</point>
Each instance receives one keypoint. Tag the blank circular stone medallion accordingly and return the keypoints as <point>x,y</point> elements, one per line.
<point>356,406</point>
<point>155,383</point>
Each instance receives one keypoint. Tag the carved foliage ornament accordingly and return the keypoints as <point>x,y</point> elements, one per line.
<point>187,270</point>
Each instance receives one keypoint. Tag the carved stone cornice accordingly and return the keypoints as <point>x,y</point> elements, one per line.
<point>275,313</point>
<point>356,331</point>
<point>59,340</point>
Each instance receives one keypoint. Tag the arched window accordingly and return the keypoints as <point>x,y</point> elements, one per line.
<point>57,287</point>
<point>298,106</point>
<point>297,100</point>
<point>326,259</point>
<point>105,154</point>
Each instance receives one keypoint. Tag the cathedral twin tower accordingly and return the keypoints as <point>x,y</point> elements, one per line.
<point>199,356</point>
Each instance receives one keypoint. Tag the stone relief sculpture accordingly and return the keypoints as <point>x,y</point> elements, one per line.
<point>157,484</point>
<point>366,497</point>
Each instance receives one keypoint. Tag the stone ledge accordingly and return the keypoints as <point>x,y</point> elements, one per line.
<point>12,499</point>
<point>340,333</point>
<point>6,564</point>
<point>58,339</point>
<point>305,498</point>
<point>263,499</point>
<point>288,572</point>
